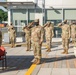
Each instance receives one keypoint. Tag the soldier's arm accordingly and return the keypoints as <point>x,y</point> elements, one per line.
<point>53,26</point>
<point>52,33</point>
<point>31,24</point>
<point>23,28</point>
<point>15,34</point>
<point>42,34</point>
<point>69,31</point>
<point>44,25</point>
<point>8,28</point>
<point>60,25</point>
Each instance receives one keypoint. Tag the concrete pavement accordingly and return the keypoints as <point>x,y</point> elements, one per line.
<point>52,63</point>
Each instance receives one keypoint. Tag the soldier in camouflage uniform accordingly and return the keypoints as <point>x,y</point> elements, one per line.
<point>27,30</point>
<point>73,32</point>
<point>65,35</point>
<point>36,39</point>
<point>49,34</point>
<point>0,38</point>
<point>27,37</point>
<point>12,35</point>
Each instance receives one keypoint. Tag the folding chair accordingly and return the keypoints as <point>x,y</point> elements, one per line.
<point>3,57</point>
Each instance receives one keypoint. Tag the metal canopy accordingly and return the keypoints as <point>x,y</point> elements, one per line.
<point>16,3</point>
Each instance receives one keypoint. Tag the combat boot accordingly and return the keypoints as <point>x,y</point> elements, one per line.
<point>64,51</point>
<point>27,50</point>
<point>48,50</point>
<point>46,46</point>
<point>35,61</point>
<point>11,46</point>
<point>38,61</point>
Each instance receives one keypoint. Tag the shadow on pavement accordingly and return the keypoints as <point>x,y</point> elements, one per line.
<point>17,63</point>
<point>60,58</point>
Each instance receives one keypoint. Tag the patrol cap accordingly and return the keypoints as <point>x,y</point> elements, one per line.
<point>36,20</point>
<point>64,21</point>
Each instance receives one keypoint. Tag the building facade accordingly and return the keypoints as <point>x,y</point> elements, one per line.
<point>22,12</point>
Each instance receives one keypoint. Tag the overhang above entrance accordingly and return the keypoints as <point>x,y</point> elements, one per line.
<point>16,3</point>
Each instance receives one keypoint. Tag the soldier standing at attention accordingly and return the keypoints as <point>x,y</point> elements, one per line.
<point>65,36</point>
<point>27,31</point>
<point>27,37</point>
<point>0,38</point>
<point>48,35</point>
<point>9,27</point>
<point>37,39</point>
<point>12,35</point>
<point>73,32</point>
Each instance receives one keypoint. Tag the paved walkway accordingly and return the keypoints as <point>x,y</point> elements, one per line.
<point>19,61</point>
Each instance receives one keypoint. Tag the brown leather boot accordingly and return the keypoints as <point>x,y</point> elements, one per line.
<point>46,46</point>
<point>66,51</point>
<point>14,45</point>
<point>11,46</point>
<point>35,61</point>
<point>48,50</point>
<point>27,50</point>
<point>38,61</point>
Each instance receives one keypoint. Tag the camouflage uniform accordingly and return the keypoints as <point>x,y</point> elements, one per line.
<point>0,38</point>
<point>49,34</point>
<point>65,35</point>
<point>36,39</point>
<point>9,27</point>
<point>27,37</point>
<point>12,35</point>
<point>73,32</point>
